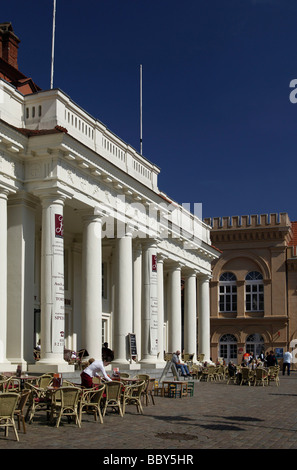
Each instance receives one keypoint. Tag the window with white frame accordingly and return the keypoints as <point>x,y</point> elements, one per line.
<point>254,292</point>
<point>227,293</point>
<point>228,347</point>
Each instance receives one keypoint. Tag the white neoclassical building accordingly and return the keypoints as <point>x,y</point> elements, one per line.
<point>91,249</point>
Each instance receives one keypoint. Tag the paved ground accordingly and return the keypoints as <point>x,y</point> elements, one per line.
<point>218,416</point>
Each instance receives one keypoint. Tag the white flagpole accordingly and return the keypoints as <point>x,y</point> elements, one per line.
<point>141,110</point>
<point>53,45</point>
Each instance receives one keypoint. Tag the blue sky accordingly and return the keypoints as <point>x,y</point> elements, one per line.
<point>217,118</point>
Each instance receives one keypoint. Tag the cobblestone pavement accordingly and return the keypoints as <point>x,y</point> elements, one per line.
<point>218,416</point>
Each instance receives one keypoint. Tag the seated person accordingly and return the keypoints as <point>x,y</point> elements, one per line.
<point>179,365</point>
<point>231,369</point>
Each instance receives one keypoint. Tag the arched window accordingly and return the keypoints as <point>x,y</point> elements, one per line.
<point>254,292</point>
<point>255,344</point>
<point>227,293</point>
<point>228,347</point>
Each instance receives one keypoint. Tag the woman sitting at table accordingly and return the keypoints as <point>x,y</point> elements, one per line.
<point>93,369</point>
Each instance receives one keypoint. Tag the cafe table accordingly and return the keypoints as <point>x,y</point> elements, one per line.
<point>174,388</point>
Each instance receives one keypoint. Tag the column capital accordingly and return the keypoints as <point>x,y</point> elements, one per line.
<point>52,196</point>
<point>22,197</point>
<point>149,243</point>
<point>161,257</point>
<point>204,277</point>
<point>190,272</point>
<point>91,214</point>
<point>175,266</point>
<point>6,189</point>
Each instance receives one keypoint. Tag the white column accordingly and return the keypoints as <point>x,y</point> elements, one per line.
<point>122,324</point>
<point>161,259</point>
<point>149,335</point>
<point>20,274</point>
<point>92,285</point>
<point>137,291</point>
<point>190,314</point>
<point>4,363</point>
<point>204,318</point>
<point>174,305</point>
<point>52,285</point>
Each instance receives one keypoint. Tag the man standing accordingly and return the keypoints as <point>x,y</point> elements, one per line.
<point>287,362</point>
<point>179,365</point>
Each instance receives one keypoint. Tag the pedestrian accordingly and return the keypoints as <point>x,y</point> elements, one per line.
<point>271,359</point>
<point>106,352</point>
<point>287,362</point>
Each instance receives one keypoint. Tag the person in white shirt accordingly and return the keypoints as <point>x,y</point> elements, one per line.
<point>287,362</point>
<point>92,370</point>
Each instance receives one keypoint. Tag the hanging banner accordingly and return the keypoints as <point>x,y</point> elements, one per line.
<point>59,229</point>
<point>58,312</point>
<point>153,307</point>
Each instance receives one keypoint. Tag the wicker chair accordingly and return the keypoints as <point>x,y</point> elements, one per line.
<point>66,403</point>
<point>144,377</point>
<point>247,376</point>
<point>261,377</point>
<point>3,385</point>
<point>273,374</point>
<point>13,385</point>
<point>148,390</point>
<point>37,400</point>
<point>44,381</point>
<point>91,402</point>
<point>113,392</point>
<point>132,396</point>
<point>125,375</point>
<point>208,373</point>
<point>19,411</point>
<point>8,403</point>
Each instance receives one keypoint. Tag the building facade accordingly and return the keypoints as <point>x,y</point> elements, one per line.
<point>91,249</point>
<point>253,287</point>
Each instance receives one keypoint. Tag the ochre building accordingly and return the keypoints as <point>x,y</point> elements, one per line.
<point>253,290</point>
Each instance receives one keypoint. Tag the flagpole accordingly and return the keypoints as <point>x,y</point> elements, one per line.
<point>53,45</point>
<point>140,109</point>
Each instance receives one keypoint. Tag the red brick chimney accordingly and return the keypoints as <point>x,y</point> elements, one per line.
<point>9,44</point>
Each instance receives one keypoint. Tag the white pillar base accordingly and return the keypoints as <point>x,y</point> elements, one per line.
<point>46,367</point>
<point>6,366</point>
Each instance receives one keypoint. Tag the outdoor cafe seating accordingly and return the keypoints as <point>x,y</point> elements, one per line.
<point>112,397</point>
<point>132,396</point>
<point>90,402</point>
<point>65,402</point>
<point>8,404</point>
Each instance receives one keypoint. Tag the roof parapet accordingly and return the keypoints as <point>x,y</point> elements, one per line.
<point>248,221</point>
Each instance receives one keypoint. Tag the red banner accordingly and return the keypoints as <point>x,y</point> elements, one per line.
<point>154,263</point>
<point>59,229</point>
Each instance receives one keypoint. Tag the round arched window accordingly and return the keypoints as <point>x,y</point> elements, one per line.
<point>255,344</point>
<point>228,347</point>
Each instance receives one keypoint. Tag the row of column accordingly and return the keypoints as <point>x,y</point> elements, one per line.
<point>139,306</point>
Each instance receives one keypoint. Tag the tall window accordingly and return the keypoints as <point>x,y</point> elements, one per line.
<point>228,293</point>
<point>228,347</point>
<point>254,292</point>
